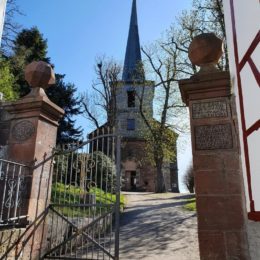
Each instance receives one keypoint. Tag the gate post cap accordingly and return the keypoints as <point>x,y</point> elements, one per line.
<point>205,49</point>
<point>39,74</point>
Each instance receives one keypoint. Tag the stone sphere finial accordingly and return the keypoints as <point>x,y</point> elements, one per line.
<point>205,50</point>
<point>39,74</point>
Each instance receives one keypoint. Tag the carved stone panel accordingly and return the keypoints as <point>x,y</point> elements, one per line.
<point>213,137</point>
<point>209,109</point>
<point>23,130</point>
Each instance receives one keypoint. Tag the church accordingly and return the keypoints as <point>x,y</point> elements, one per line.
<point>138,172</point>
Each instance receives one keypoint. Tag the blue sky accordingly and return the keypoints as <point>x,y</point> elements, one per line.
<point>80,30</point>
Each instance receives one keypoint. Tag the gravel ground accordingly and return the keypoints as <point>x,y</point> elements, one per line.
<point>156,227</point>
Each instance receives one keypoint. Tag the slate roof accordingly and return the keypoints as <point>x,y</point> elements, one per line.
<point>133,61</point>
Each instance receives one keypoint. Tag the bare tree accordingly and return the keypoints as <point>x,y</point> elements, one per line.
<point>11,27</point>
<point>169,63</point>
<point>205,16</point>
<point>100,104</point>
<point>213,18</point>
<point>166,62</point>
<point>189,179</point>
<point>169,111</point>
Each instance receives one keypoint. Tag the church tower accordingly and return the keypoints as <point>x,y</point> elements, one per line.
<point>137,170</point>
<point>138,173</point>
<point>133,86</point>
<point>133,51</point>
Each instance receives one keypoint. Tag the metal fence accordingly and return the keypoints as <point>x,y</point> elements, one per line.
<point>83,217</point>
<point>14,193</point>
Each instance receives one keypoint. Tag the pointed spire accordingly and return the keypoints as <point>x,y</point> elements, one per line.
<point>133,60</point>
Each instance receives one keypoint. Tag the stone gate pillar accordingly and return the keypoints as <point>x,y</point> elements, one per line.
<point>32,136</point>
<point>216,156</point>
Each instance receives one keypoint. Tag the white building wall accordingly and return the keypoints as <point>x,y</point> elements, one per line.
<point>242,18</point>
<point>247,24</point>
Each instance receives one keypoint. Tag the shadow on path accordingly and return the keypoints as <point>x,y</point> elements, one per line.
<point>155,227</point>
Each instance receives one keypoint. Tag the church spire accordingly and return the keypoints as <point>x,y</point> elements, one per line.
<point>132,65</point>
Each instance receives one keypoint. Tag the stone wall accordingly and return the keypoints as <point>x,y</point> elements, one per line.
<point>219,187</point>
<point>9,238</point>
<point>146,173</point>
<point>124,112</point>
<point>28,130</point>
<point>134,158</point>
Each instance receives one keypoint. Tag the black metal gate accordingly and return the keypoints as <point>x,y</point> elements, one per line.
<point>83,218</point>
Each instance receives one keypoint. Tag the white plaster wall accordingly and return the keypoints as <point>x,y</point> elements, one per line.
<point>247,15</point>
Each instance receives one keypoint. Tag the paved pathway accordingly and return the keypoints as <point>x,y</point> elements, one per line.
<point>155,227</point>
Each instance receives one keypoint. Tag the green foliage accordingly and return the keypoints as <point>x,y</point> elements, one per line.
<point>86,170</point>
<point>29,46</point>
<point>160,143</point>
<point>190,205</point>
<point>105,175</point>
<point>7,81</point>
<point>64,95</point>
<point>160,148</point>
<point>65,194</point>
<point>70,194</point>
<point>33,41</point>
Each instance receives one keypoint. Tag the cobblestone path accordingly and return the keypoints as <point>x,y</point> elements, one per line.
<point>156,227</point>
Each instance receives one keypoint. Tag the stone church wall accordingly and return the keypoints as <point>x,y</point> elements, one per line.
<point>134,158</point>
<point>125,112</point>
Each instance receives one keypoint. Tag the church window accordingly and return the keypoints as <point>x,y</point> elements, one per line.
<point>131,98</point>
<point>130,124</point>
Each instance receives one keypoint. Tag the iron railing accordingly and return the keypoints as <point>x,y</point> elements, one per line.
<point>14,193</point>
<point>83,215</point>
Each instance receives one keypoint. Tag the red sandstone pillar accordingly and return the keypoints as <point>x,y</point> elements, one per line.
<point>216,161</point>
<point>32,137</point>
<point>33,130</point>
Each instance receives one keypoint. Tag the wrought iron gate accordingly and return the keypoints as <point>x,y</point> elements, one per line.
<point>14,179</point>
<point>83,218</point>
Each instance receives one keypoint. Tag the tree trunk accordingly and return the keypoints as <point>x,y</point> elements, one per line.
<point>160,187</point>
<point>191,189</point>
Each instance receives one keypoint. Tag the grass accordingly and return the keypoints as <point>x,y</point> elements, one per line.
<point>70,194</point>
<point>190,204</point>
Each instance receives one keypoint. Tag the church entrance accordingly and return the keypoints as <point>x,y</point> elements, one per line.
<point>133,180</point>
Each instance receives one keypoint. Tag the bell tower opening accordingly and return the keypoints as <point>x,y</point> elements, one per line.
<point>131,98</point>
